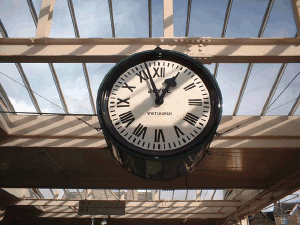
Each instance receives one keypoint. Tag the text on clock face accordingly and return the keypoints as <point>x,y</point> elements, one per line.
<point>159,105</point>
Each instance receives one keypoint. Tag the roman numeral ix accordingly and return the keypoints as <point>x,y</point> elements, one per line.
<point>123,102</point>
<point>191,118</point>
<point>140,130</point>
<point>127,118</point>
<point>159,134</point>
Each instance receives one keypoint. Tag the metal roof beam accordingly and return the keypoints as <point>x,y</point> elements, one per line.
<point>111,18</point>
<point>274,88</point>
<point>216,50</point>
<point>296,13</point>
<point>168,19</point>
<point>188,18</point>
<point>138,204</point>
<point>6,100</point>
<point>228,10</point>
<point>295,106</point>
<point>150,17</point>
<point>250,66</point>
<point>45,19</point>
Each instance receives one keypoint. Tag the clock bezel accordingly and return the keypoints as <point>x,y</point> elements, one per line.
<point>177,57</point>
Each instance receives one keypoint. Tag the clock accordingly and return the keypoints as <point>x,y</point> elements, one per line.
<point>159,111</point>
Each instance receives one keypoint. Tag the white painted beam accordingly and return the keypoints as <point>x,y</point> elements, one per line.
<point>138,204</point>
<point>96,50</point>
<point>45,19</point>
<point>236,132</point>
<point>168,19</point>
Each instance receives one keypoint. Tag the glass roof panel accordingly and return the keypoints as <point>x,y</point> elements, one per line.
<point>180,13</point>
<point>258,88</point>
<point>246,18</point>
<point>92,18</point>
<point>166,194</point>
<point>74,87</point>
<point>17,20</point>
<point>17,94</point>
<point>41,81</point>
<point>230,78</point>
<point>131,18</point>
<point>157,18</point>
<point>290,93</point>
<point>97,71</point>
<point>281,22</point>
<point>61,22</point>
<point>207,18</point>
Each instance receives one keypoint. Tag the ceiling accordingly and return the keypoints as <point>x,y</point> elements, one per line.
<point>50,145</point>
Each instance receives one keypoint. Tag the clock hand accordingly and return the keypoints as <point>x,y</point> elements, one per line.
<point>170,83</point>
<point>157,98</point>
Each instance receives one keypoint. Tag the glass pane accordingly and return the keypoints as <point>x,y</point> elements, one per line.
<point>246,18</point>
<point>207,18</point>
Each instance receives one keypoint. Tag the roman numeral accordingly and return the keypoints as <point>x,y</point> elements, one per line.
<point>142,77</point>
<point>127,118</point>
<point>191,118</point>
<point>196,102</point>
<point>140,130</point>
<point>129,87</point>
<point>123,102</point>
<point>178,131</point>
<point>190,86</point>
<point>159,71</point>
<point>159,134</point>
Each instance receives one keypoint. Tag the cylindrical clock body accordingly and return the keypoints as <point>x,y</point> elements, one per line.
<point>159,111</point>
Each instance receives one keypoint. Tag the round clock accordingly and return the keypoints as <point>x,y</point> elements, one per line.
<point>159,111</point>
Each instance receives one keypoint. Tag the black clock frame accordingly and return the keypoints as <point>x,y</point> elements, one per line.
<point>131,156</point>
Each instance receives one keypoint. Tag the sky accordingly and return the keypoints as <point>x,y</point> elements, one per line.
<point>131,20</point>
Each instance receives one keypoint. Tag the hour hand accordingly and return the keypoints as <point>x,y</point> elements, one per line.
<point>170,82</point>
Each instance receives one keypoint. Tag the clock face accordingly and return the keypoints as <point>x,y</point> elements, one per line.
<point>159,104</point>
<point>164,119</point>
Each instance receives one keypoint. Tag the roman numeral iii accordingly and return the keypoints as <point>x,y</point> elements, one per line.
<point>159,134</point>
<point>140,130</point>
<point>196,102</point>
<point>191,119</point>
<point>127,118</point>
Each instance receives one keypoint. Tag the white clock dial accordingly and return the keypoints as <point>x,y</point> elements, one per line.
<point>139,120</point>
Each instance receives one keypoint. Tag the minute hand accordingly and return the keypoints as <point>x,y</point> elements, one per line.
<point>157,99</point>
<point>170,82</point>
